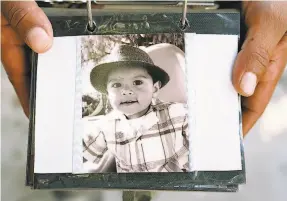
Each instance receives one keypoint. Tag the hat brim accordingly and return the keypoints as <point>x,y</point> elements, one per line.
<point>99,74</point>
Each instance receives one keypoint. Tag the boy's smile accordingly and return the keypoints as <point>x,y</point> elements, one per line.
<point>129,102</point>
<point>130,90</point>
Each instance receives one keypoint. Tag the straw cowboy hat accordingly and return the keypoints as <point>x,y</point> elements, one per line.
<point>172,60</point>
<point>123,56</point>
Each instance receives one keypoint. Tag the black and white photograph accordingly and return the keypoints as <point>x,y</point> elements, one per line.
<point>134,103</point>
<point>137,103</point>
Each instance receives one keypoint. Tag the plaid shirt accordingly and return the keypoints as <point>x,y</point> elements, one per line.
<point>158,142</point>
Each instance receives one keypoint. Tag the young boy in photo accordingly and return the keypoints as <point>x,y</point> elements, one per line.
<point>142,133</point>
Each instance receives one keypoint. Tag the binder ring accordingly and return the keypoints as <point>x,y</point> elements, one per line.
<point>184,22</point>
<point>91,26</point>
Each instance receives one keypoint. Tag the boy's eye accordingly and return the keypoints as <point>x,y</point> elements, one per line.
<point>137,82</point>
<point>116,85</point>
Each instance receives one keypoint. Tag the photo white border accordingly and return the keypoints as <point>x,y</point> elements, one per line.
<point>214,105</point>
<point>54,116</point>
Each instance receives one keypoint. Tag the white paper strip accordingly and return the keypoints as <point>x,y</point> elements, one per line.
<point>214,105</point>
<point>55,107</point>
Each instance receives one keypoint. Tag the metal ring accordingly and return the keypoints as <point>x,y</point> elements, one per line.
<point>91,23</point>
<point>184,12</point>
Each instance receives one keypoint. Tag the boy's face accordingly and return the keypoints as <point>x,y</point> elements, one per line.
<point>130,90</point>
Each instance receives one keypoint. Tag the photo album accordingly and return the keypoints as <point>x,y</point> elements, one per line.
<point>138,103</point>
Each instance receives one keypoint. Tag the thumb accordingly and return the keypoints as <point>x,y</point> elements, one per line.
<point>254,57</point>
<point>30,22</point>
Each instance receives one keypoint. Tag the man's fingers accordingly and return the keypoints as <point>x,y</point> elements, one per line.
<point>264,33</point>
<point>30,22</point>
<point>13,60</point>
<point>254,106</point>
<point>18,73</point>
<point>22,21</point>
<point>253,60</point>
<point>10,37</point>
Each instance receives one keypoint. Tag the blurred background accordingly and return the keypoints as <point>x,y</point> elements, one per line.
<point>265,154</point>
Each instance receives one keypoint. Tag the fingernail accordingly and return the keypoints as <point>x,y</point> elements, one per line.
<point>248,83</point>
<point>38,39</point>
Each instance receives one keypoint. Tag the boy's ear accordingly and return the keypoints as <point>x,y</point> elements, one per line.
<point>156,87</point>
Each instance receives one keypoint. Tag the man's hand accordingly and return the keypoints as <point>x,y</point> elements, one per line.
<point>22,22</point>
<point>262,59</point>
